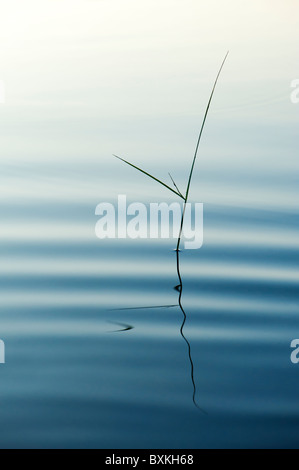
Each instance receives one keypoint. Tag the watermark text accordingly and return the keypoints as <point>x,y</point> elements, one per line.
<point>2,352</point>
<point>158,220</point>
<point>295,93</point>
<point>295,353</point>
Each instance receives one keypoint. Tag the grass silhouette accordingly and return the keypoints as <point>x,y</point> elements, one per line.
<point>176,190</point>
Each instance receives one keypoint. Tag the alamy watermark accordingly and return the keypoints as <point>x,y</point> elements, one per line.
<point>295,93</point>
<point>2,352</point>
<point>156,220</point>
<point>295,353</point>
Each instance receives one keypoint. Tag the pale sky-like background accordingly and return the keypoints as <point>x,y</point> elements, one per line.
<point>140,57</point>
<point>85,79</point>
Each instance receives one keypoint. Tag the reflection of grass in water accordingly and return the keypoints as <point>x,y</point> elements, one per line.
<point>179,288</point>
<point>176,190</point>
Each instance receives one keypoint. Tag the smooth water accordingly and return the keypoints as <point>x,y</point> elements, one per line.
<point>103,350</point>
<point>97,346</point>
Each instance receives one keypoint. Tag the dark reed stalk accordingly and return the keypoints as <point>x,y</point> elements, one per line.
<point>185,199</point>
<point>177,191</point>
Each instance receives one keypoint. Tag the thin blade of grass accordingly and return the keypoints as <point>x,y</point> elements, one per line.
<point>151,176</point>
<point>202,127</point>
<point>175,185</point>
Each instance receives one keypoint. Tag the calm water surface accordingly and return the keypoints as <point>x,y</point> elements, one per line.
<point>97,346</point>
<point>101,349</point>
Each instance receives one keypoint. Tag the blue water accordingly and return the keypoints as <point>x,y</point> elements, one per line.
<point>102,349</point>
<point>95,355</point>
